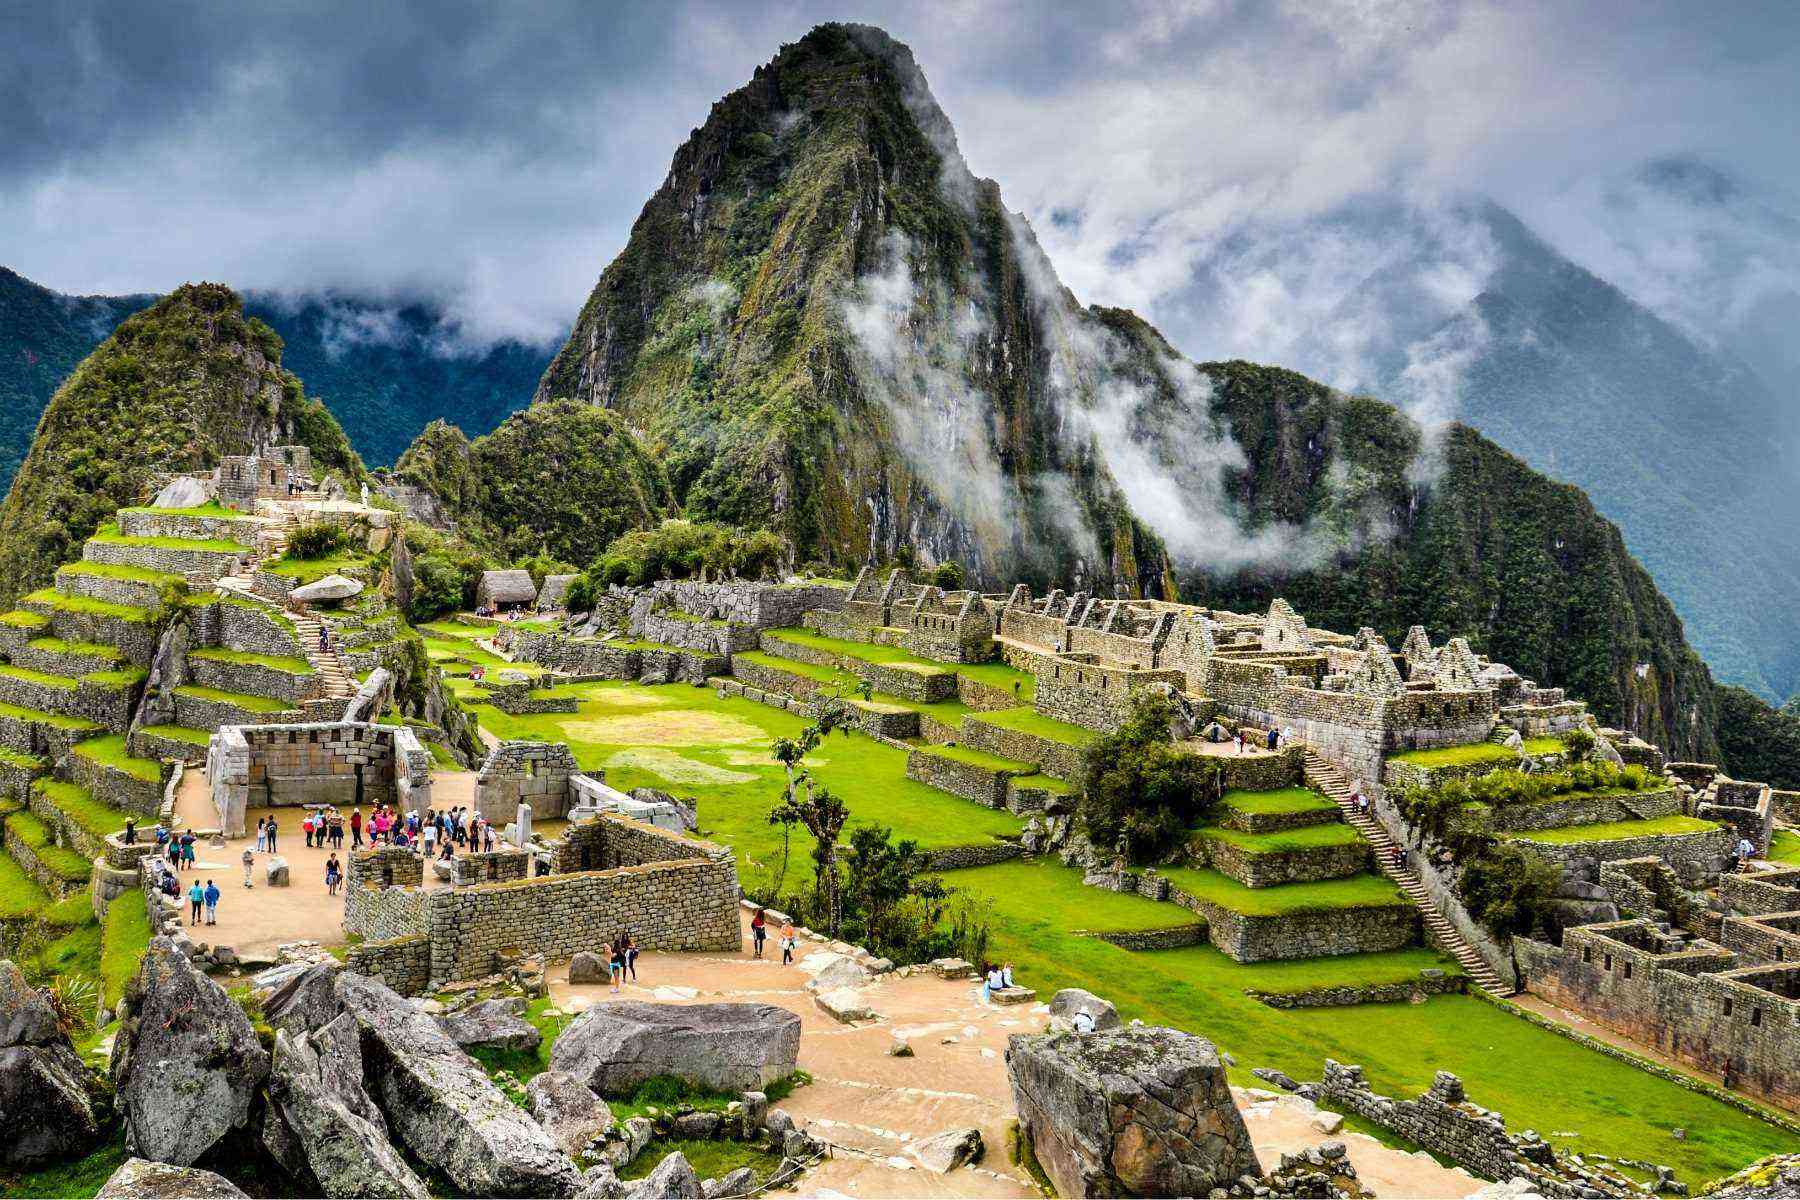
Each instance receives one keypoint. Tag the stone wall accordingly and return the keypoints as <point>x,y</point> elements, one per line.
<point>708,637</point>
<point>343,763</point>
<point>1691,1000</point>
<point>1318,934</point>
<point>984,854</point>
<point>112,786</point>
<point>207,712</point>
<point>1770,939</point>
<point>1274,868</point>
<point>1691,855</point>
<point>403,963</point>
<point>1092,695</point>
<point>135,639</point>
<point>533,773</point>
<point>1584,809</point>
<point>254,679</point>
<point>761,605</point>
<point>104,704</point>
<point>1058,759</point>
<point>164,523</point>
<point>986,786</point>
<point>1765,892</point>
<point>246,625</point>
<point>202,566</point>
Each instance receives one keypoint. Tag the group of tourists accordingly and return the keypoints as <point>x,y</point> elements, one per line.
<point>621,959</point>
<point>440,833</point>
<point>1272,739</point>
<point>759,934</point>
<point>995,977</point>
<point>177,849</point>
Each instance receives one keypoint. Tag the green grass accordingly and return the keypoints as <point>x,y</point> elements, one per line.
<point>111,536</point>
<point>978,758</point>
<point>18,618</point>
<point>124,571</point>
<point>275,662</point>
<point>20,895</point>
<point>202,510</point>
<point>1358,891</point>
<point>525,1064</point>
<point>1047,783</point>
<point>76,908</point>
<point>1029,720</point>
<point>1283,800</point>
<point>61,862</point>
<point>111,751</point>
<point>124,938</point>
<point>948,712</point>
<point>1042,891</point>
<point>88,606</point>
<point>442,758</point>
<point>1785,846</point>
<point>249,703</point>
<point>456,629</point>
<point>736,781</point>
<point>53,720</point>
<point>1537,1079</point>
<point>710,1159</point>
<point>82,1177</point>
<point>55,645</point>
<point>181,733</point>
<point>1307,837</point>
<point>1470,755</point>
<point>1613,831</point>
<point>994,674</point>
<point>25,762</point>
<point>305,570</point>
<point>62,682</point>
<point>81,807</point>
<point>124,677</point>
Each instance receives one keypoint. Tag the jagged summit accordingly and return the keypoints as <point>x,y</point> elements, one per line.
<point>174,388</point>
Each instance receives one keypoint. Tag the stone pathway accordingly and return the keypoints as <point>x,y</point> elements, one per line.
<point>337,678</point>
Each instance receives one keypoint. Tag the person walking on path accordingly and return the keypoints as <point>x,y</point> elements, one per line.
<point>273,829</point>
<point>333,875</point>
<point>615,953</point>
<point>212,902</point>
<point>430,837</point>
<point>759,930</point>
<point>788,942</point>
<point>249,865</point>
<point>196,897</point>
<point>187,848</point>
<point>631,953</point>
<point>356,828</point>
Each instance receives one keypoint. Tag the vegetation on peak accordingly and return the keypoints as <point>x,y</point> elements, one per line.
<point>175,387</point>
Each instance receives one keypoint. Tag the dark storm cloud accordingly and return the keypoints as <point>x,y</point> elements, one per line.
<point>494,155</point>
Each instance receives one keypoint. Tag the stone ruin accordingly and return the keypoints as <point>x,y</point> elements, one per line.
<point>242,480</point>
<point>545,779</point>
<point>344,763</point>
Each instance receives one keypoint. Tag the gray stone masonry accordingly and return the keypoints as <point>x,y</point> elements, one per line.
<point>344,763</point>
<point>534,773</point>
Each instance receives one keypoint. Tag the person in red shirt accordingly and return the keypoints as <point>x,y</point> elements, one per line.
<point>355,828</point>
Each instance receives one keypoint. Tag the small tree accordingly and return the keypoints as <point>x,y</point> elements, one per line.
<point>822,813</point>
<point>948,576</point>
<point>1139,792</point>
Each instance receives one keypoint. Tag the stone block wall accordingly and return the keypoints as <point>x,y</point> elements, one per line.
<point>534,773</point>
<point>985,696</point>
<point>761,605</point>
<point>342,763</point>
<point>159,523</point>
<point>494,866</point>
<point>254,679</point>
<point>403,963</point>
<point>773,679</point>
<point>1691,855</point>
<point>36,738</point>
<point>1318,934</point>
<point>112,786</point>
<point>1271,869</point>
<point>1765,940</point>
<point>692,634</point>
<point>1035,629</point>
<point>246,626</point>
<point>1765,892</point>
<point>205,566</point>
<point>136,593</point>
<point>58,662</point>
<point>984,785</point>
<point>984,854</point>
<point>1586,810</point>
<point>136,640</point>
<point>1094,696</point>
<point>1058,759</point>
<point>1259,772</point>
<point>100,703</point>
<point>204,712</point>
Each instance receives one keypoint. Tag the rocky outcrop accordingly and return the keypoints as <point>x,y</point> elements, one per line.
<point>322,1124</point>
<point>187,1065</point>
<point>443,1107</point>
<point>492,1023</point>
<point>568,1110</point>
<point>728,1047</point>
<point>305,1002</point>
<point>1066,1003</point>
<point>673,1179</point>
<point>588,967</point>
<point>1143,1111</point>
<point>141,1179</point>
<point>46,1111</point>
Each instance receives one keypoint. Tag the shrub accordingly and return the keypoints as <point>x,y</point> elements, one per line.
<point>316,539</point>
<point>948,576</point>
<point>1138,792</point>
<point>1580,743</point>
<point>1509,891</point>
<point>441,585</point>
<point>682,549</point>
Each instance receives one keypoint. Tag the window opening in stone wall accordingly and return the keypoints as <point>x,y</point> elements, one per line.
<point>1628,970</point>
<point>1728,1007</point>
<point>1756,1016</point>
<point>1609,962</point>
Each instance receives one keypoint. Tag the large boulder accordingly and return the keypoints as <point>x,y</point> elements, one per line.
<point>443,1107</point>
<point>46,1111</point>
<point>323,1126</point>
<point>1066,1003</point>
<point>588,967</point>
<point>727,1047</point>
<point>187,1065</point>
<point>948,1151</point>
<point>183,491</point>
<point>1141,1111</point>
<point>141,1179</point>
<point>494,1024</point>
<point>839,971</point>
<point>306,1001</point>
<point>673,1179</point>
<point>568,1110</point>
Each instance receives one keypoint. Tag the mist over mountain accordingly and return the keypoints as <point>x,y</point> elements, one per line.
<point>386,369</point>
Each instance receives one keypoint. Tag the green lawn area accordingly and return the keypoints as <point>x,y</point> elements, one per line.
<point>305,570</point>
<point>1043,892</point>
<point>455,629</point>
<point>275,662</point>
<point>1785,846</point>
<point>87,606</point>
<point>1282,800</point>
<point>110,535</point>
<point>710,1159</point>
<point>249,703</point>
<point>977,758</point>
<point>1613,831</point>
<point>994,674</point>
<point>1457,756</point>
<point>124,677</point>
<point>1029,720</point>
<point>181,733</point>
<point>947,712</point>
<point>1307,837</point>
<point>124,938</point>
<point>25,762</point>
<point>64,682</point>
<point>111,751</point>
<point>1048,783</point>
<point>55,645</point>
<point>1537,1079</point>
<point>18,618</point>
<point>124,571</point>
<point>80,806</point>
<point>200,510</point>
<point>1358,891</point>
<point>63,863</point>
<point>687,741</point>
<point>20,896</point>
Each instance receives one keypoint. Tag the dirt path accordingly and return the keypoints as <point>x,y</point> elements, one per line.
<point>871,1105</point>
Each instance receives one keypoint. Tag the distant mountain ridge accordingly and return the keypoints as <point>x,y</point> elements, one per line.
<point>386,370</point>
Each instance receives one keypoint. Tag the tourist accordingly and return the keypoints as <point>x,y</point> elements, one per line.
<point>271,832</point>
<point>1083,1021</point>
<point>170,888</point>
<point>448,850</point>
<point>333,873</point>
<point>262,834</point>
<point>759,930</point>
<point>1240,740</point>
<point>428,840</point>
<point>130,831</point>
<point>356,828</point>
<point>1287,734</point>
<point>398,839</point>
<point>990,982</point>
<point>173,853</point>
<point>487,836</point>
<point>249,864</point>
<point>615,952</point>
<point>1006,975</point>
<point>196,897</point>
<point>1274,738</point>
<point>324,640</point>
<point>306,827</point>
<point>788,942</point>
<point>162,836</point>
<point>631,953</point>
<point>1746,850</point>
<point>187,848</point>
<point>212,902</point>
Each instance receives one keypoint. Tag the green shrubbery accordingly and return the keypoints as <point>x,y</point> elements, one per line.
<point>316,539</point>
<point>1138,792</point>
<point>678,550</point>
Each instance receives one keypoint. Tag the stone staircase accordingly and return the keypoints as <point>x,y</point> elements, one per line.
<point>1328,779</point>
<point>339,683</point>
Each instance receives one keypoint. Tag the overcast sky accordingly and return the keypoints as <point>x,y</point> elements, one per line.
<point>495,155</point>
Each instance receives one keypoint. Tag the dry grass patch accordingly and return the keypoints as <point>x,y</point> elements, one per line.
<point>676,768</point>
<point>683,728</point>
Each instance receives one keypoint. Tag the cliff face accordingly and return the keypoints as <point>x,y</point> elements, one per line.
<point>826,326</point>
<point>175,387</point>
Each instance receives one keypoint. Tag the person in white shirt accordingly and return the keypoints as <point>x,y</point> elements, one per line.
<point>1083,1022</point>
